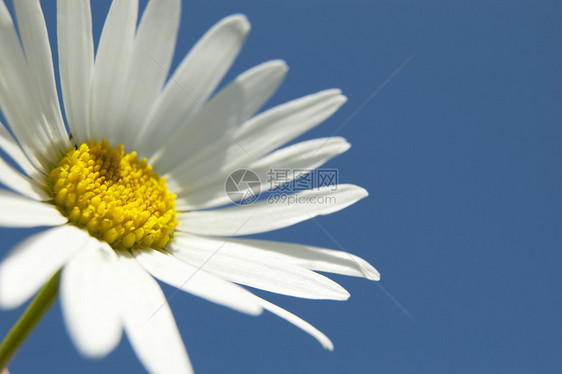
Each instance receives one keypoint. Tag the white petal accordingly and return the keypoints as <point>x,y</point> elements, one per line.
<point>14,180</point>
<point>198,75</point>
<point>19,211</point>
<point>265,252</point>
<point>304,157</point>
<point>281,124</point>
<point>266,132</point>
<point>313,258</point>
<point>148,320</point>
<point>215,257</point>
<point>30,265</point>
<point>224,113</point>
<point>31,138</point>
<point>13,66</point>
<point>76,63</point>
<point>16,99</point>
<point>12,149</point>
<point>300,323</point>
<point>35,40</point>
<point>112,61</point>
<point>150,60</point>
<point>266,215</point>
<point>87,301</point>
<point>197,281</point>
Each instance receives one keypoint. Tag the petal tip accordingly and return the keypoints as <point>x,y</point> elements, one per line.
<point>331,92</point>
<point>9,300</point>
<point>239,22</point>
<point>372,274</point>
<point>342,99</point>
<point>280,64</point>
<point>357,192</point>
<point>341,143</point>
<point>6,304</point>
<point>361,192</point>
<point>343,295</point>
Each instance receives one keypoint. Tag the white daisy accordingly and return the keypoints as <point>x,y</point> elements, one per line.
<point>114,224</point>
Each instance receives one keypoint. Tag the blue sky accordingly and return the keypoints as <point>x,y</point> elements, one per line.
<point>461,152</point>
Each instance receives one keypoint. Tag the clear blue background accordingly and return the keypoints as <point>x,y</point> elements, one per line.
<point>462,155</point>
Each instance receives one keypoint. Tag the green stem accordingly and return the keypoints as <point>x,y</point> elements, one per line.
<point>29,319</point>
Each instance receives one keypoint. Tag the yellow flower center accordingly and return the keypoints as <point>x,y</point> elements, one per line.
<point>113,195</point>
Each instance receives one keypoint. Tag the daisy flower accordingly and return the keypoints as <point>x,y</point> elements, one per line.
<point>133,190</point>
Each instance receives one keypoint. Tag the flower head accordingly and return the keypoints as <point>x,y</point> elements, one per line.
<point>126,192</point>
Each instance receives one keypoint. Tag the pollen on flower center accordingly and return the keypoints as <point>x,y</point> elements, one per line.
<point>113,195</point>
